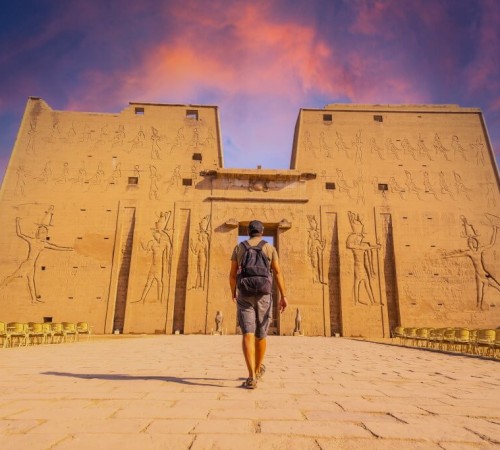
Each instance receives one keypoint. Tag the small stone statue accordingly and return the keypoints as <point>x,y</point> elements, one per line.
<point>298,324</point>
<point>218,322</point>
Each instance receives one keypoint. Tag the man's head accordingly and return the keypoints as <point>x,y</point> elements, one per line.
<point>255,228</point>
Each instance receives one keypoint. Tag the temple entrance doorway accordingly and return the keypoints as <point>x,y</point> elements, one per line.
<point>271,236</point>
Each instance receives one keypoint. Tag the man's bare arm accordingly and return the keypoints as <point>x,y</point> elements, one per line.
<point>280,281</point>
<point>232,279</point>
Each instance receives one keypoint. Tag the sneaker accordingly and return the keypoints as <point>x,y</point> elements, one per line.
<point>250,383</point>
<point>260,373</point>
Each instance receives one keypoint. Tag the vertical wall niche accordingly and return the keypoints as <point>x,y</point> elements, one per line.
<point>126,239</point>
<point>391,288</point>
<point>334,275</point>
<point>182,271</point>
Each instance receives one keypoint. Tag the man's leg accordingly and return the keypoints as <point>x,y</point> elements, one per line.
<point>260,352</point>
<point>249,350</point>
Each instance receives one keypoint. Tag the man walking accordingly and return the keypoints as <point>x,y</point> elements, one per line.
<point>251,291</point>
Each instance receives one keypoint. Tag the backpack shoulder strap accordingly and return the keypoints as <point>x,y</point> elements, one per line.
<point>261,244</point>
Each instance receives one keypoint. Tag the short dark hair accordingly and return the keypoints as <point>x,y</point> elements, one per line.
<point>255,227</point>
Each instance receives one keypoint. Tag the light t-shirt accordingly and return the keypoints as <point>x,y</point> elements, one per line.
<point>268,249</point>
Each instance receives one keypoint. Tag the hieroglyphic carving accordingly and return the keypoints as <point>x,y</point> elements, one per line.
<point>45,175</point>
<point>460,186</point>
<point>201,249</point>
<point>374,148</point>
<point>155,143</point>
<point>458,149</point>
<point>153,183</point>
<point>36,245</point>
<point>362,251</point>
<point>160,248</point>
<point>315,248</point>
<point>410,184</point>
<point>475,251</point>
<point>358,145</point>
<point>342,183</point>
<point>21,181</point>
<point>32,132</point>
<point>341,145</point>
<point>423,150</point>
<point>392,149</point>
<point>478,149</point>
<point>138,140</point>
<point>444,185</point>
<point>440,148</point>
<point>428,187</point>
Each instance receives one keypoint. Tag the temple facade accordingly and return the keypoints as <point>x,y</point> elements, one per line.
<point>387,216</point>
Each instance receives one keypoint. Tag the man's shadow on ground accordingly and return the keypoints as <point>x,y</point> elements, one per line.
<point>122,377</point>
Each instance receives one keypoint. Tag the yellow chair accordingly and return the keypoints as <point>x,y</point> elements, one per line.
<point>485,340</point>
<point>4,335</point>
<point>473,341</point>
<point>398,332</point>
<point>422,335</point>
<point>70,330</point>
<point>496,344</point>
<point>49,334</point>
<point>462,339</point>
<point>448,341</point>
<point>84,328</point>
<point>58,334</point>
<point>37,334</point>
<point>19,332</point>
<point>410,334</point>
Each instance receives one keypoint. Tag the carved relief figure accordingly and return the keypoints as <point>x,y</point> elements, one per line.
<point>155,146</point>
<point>444,185</point>
<point>27,268</point>
<point>30,146</point>
<point>440,148</point>
<point>315,248</point>
<point>46,174</point>
<point>478,148</point>
<point>429,189</point>
<point>138,141</point>
<point>460,186</point>
<point>153,186</point>
<point>391,148</point>
<point>21,181</point>
<point>64,174</point>
<point>412,187</point>
<point>119,137</point>
<point>160,248</point>
<point>357,143</point>
<point>422,148</point>
<point>363,259</point>
<point>374,148</point>
<point>200,250</point>
<point>341,145</point>
<point>308,145</point>
<point>458,149</point>
<point>475,254</point>
<point>396,188</point>
<point>324,148</point>
<point>342,184</point>
<point>409,149</point>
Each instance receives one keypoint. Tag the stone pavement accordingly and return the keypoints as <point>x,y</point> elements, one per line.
<point>183,392</point>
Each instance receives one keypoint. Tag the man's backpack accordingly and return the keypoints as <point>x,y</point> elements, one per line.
<point>254,275</point>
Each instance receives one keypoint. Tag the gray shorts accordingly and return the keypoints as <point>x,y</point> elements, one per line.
<point>255,314</point>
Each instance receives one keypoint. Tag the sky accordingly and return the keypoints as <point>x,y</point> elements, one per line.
<point>259,61</point>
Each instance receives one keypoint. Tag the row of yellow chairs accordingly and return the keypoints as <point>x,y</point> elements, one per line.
<point>484,342</point>
<point>20,333</point>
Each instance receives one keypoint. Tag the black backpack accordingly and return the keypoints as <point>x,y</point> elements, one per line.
<point>254,275</point>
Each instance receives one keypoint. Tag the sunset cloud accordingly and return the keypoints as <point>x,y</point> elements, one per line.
<point>260,62</point>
